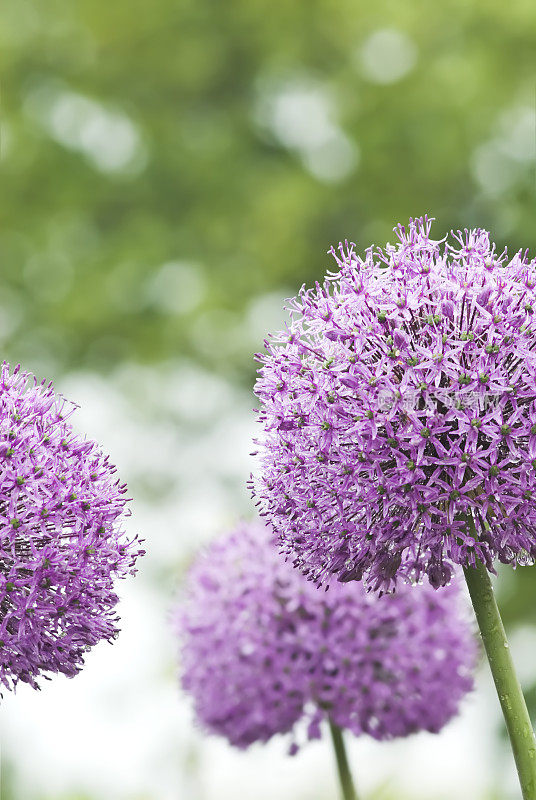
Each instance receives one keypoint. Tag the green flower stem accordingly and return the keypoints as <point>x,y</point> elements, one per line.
<point>347,785</point>
<point>511,697</point>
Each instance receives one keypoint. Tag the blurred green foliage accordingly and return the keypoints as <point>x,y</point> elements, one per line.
<point>136,134</point>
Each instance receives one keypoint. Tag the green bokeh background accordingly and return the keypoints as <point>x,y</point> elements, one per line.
<point>213,188</point>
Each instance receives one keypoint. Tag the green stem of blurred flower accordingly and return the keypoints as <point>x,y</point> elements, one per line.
<point>348,791</point>
<point>507,684</point>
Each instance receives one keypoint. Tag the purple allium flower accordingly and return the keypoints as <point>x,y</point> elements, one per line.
<point>263,647</point>
<point>61,544</point>
<point>399,413</point>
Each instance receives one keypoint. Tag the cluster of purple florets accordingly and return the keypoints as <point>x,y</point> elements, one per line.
<point>61,544</point>
<point>262,648</point>
<point>399,413</point>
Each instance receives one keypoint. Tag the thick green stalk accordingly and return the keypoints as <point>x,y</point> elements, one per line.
<point>511,697</point>
<point>345,777</point>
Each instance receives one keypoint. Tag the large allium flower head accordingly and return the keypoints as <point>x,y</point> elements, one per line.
<point>263,647</point>
<point>61,542</point>
<point>399,413</point>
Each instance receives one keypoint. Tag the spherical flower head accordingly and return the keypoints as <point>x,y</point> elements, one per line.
<point>263,647</point>
<point>399,413</point>
<point>61,544</point>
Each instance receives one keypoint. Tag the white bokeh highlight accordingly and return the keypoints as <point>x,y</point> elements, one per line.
<point>107,137</point>
<point>504,160</point>
<point>386,56</point>
<point>301,115</point>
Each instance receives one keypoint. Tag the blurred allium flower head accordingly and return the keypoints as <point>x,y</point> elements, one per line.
<point>263,647</point>
<point>61,544</point>
<point>399,413</point>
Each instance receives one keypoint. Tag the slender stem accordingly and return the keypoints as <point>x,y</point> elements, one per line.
<point>511,697</point>
<point>348,791</point>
